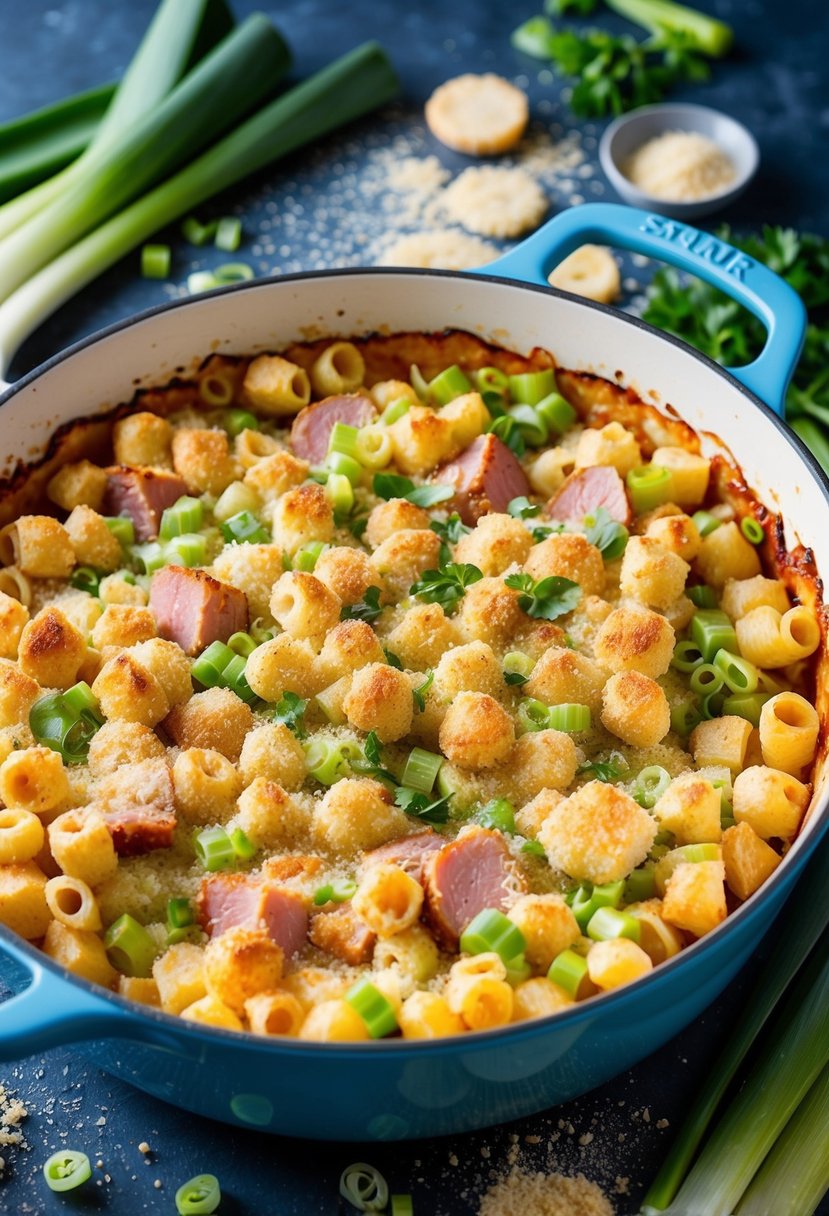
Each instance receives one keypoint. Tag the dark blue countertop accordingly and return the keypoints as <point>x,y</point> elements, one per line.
<point>776,83</point>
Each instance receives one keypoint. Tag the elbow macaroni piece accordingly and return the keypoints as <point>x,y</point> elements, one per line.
<point>272,751</point>
<point>92,541</point>
<point>284,664</point>
<point>494,544</point>
<point>304,607</point>
<point>143,439</point>
<point>741,596</point>
<point>72,902</point>
<point>357,813</point>
<point>270,817</point>
<point>388,899</point>
<point>769,801</point>
<point>82,846</point>
<point>216,720</point>
<point>240,963</point>
<point>38,545</point>
<point>80,952</point>
<point>339,369</point>
<point>598,834</point>
<point>118,743</point>
<point>301,516</point>
<point>635,640</point>
<point>476,732</point>
<point>771,639</point>
<point>678,534</point>
<point>23,907</point>
<point>690,809</point>
<point>74,484</point>
<point>204,460</point>
<point>21,836</point>
<point>380,699</point>
<point>179,974</point>
<point>568,555</point>
<point>274,1013</point>
<point>538,998</point>
<point>548,927</point>
<point>689,474</point>
<point>610,445</point>
<point>789,727</point>
<point>33,779</point>
<point>206,786</point>
<point>51,649</point>
<point>275,386</point>
<point>426,1015</point>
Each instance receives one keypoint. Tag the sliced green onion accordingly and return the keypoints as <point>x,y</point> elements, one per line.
<point>343,438</point>
<point>228,234</point>
<point>377,1013</point>
<point>186,515</point>
<point>649,486</point>
<point>705,522</point>
<point>532,426</point>
<point>209,667</point>
<point>569,971</point>
<point>364,1187</point>
<point>189,549</point>
<point>214,849</point>
<point>713,630</point>
<point>401,1205</point>
<point>374,448</point>
<point>66,1170</point>
<point>340,493</point>
<point>395,410</point>
<point>533,715</point>
<point>198,234</point>
<point>66,722</point>
<point>517,667</point>
<point>608,923</point>
<point>199,1196</point>
<point>489,931</point>
<point>491,380</point>
<point>84,578</point>
<point>706,679</point>
<point>232,272</point>
<point>752,530</point>
<point>498,814</point>
<point>531,387</point>
<point>534,848</point>
<point>702,596</point>
<point>307,557</point>
<point>650,785</point>
<point>557,414</point>
<point>746,705</point>
<point>148,556</point>
<point>495,404</point>
<point>740,675</point>
<point>711,705</point>
<point>243,846</point>
<point>244,528</point>
<point>508,431</point>
<point>339,464</point>
<point>684,717</point>
<point>640,885</point>
<point>518,969</point>
<point>337,892</point>
<point>201,280</point>
<point>587,900</point>
<point>129,947</point>
<point>241,643</point>
<point>122,528</point>
<point>421,769</point>
<point>687,656</point>
<point>570,718</point>
<point>236,421</point>
<point>180,914</point>
<point>156,261</point>
<point>449,384</point>
<point>325,760</point>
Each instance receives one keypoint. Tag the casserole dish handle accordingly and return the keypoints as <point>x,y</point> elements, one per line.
<point>743,279</point>
<point>51,1012</point>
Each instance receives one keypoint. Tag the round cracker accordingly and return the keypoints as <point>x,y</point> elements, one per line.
<point>479,115</point>
<point>495,202</point>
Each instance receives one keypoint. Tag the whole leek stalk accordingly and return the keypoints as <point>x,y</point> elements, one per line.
<point>350,87</point>
<point>236,76</point>
<point>181,33</point>
<point>702,32</point>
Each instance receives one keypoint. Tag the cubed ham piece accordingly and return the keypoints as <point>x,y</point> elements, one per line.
<point>486,477</point>
<point>194,609</point>
<point>228,900</point>
<point>343,934</point>
<point>410,852</point>
<point>142,494</point>
<point>313,425</point>
<point>584,491</point>
<point>472,872</point>
<point>137,804</point>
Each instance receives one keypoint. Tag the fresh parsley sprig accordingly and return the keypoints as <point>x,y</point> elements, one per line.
<point>419,693</point>
<point>366,609</point>
<point>392,485</point>
<point>289,710</point>
<point>546,598</point>
<point>600,770</point>
<point>450,532</point>
<point>447,585</point>
<point>608,535</point>
<point>372,765</point>
<point>522,508</point>
<point>421,805</point>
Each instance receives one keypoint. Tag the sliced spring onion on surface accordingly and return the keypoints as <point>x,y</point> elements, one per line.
<point>687,656</point>
<point>242,845</point>
<point>340,493</point>
<point>344,466</point>
<point>556,413</point>
<point>517,667</point>
<point>569,971</point>
<point>232,272</point>
<point>529,388</point>
<point>121,527</point>
<point>200,280</point>
<point>702,596</point>
<point>684,717</point>
<point>421,769</point>
<point>244,528</point>
<point>448,384</point>
<point>712,630</point>
<point>740,675</point>
<point>228,234</point>
<point>571,718</point>
<point>395,410</point>
<point>214,849</point>
<point>752,530</point>
<point>236,421</point>
<point>401,1205</point>
<point>491,380</point>
<point>129,947</point>
<point>608,923</point>
<point>307,557</point>
<point>189,549</point>
<point>336,892</point>
<point>802,924</point>
<point>587,900</point>
<point>746,705</point>
<point>364,1187</point>
<point>530,423</point>
<point>185,515</point>
<point>489,931</point>
<point>241,643</point>
<point>649,486</point>
<point>640,885</point>
<point>705,522</point>
<point>196,233</point>
<point>706,679</point>
<point>66,1170</point>
<point>84,578</point>
<point>199,1196</point>
<point>377,1012</point>
<point>156,261</point>
<point>498,814</point>
<point>650,785</point>
<point>325,760</point>
<point>343,438</point>
<point>180,913</point>
<point>360,81</point>
<point>66,722</point>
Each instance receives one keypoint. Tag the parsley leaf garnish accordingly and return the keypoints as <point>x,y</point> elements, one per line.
<point>600,770</point>
<point>358,526</point>
<point>609,536</point>
<point>289,710</point>
<point>392,485</point>
<point>447,585</point>
<point>421,806</point>
<point>542,531</point>
<point>522,508</point>
<point>419,693</point>
<point>515,677</point>
<point>366,609</point>
<point>534,848</point>
<point>392,659</point>
<point>450,532</point>
<point>372,766</point>
<point>546,599</point>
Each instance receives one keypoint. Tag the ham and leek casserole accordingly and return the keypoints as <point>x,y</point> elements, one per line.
<point>404,687</point>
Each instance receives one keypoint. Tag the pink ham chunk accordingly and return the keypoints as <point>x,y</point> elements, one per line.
<point>409,852</point>
<point>137,804</point>
<point>584,491</point>
<point>194,609</point>
<point>142,494</point>
<point>471,873</point>
<point>228,900</point>
<point>313,425</point>
<point>486,477</point>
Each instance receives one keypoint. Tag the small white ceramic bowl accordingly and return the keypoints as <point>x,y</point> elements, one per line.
<point>631,131</point>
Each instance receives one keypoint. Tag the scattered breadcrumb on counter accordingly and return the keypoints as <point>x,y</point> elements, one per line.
<point>446,249</point>
<point>680,167</point>
<point>12,1114</point>
<point>494,201</point>
<point>522,1194</point>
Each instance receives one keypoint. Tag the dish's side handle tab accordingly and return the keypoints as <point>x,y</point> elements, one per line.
<point>739,276</point>
<point>51,1012</point>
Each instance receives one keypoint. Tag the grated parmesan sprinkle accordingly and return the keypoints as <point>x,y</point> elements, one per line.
<point>680,166</point>
<point>544,1195</point>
